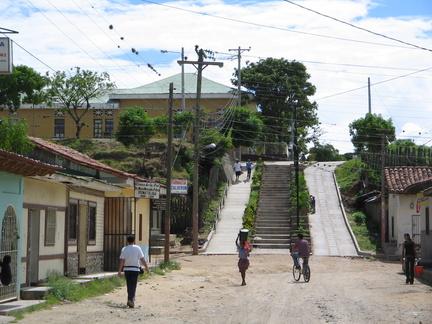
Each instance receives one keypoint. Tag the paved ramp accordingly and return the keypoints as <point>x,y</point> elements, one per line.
<point>230,220</point>
<point>330,234</point>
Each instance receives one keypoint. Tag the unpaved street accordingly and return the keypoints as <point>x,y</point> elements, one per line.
<point>207,290</point>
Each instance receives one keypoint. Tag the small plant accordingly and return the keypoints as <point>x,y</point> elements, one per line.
<point>359,218</point>
<point>170,265</point>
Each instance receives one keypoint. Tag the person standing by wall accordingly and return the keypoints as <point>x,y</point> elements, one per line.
<point>130,257</point>
<point>409,256</point>
<point>6,271</point>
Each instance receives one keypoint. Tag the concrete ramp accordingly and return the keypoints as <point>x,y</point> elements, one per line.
<point>330,234</point>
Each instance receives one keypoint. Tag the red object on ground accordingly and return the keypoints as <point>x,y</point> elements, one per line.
<point>418,271</point>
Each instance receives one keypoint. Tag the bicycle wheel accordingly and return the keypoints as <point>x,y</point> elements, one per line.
<point>306,272</point>
<point>296,273</point>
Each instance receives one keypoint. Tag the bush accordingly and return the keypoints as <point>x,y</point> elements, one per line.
<point>359,218</point>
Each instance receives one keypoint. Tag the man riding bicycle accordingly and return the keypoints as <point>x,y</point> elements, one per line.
<point>300,250</point>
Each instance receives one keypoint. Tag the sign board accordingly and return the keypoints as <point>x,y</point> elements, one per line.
<point>159,204</point>
<point>179,187</point>
<point>5,56</point>
<point>148,190</point>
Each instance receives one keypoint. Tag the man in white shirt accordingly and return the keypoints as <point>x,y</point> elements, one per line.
<point>131,258</point>
<point>237,169</point>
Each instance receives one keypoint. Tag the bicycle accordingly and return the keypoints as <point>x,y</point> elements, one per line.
<point>304,270</point>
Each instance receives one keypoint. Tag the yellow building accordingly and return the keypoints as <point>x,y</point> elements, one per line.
<point>102,118</point>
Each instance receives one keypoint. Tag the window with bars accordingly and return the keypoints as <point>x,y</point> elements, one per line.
<point>59,128</point>
<point>109,127</point>
<point>50,226</point>
<point>97,128</point>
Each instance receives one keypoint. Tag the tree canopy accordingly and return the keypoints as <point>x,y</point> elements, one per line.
<point>281,90</point>
<point>13,136</point>
<point>24,85</point>
<point>367,133</point>
<point>245,126</point>
<point>76,89</point>
<point>324,152</point>
<point>135,128</point>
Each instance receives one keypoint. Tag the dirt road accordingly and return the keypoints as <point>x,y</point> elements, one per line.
<point>207,290</point>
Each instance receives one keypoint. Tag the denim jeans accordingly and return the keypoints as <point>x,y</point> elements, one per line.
<point>409,267</point>
<point>295,256</point>
<point>131,283</point>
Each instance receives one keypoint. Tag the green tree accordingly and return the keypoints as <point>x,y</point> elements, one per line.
<point>24,85</point>
<point>245,126</point>
<point>367,133</point>
<point>325,152</point>
<point>75,91</point>
<point>13,136</point>
<point>281,90</point>
<point>135,128</point>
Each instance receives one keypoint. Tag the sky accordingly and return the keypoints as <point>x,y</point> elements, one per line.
<point>342,43</point>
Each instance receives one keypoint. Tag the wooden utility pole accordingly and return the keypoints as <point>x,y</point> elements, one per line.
<point>168,166</point>
<point>200,65</point>
<point>383,204</point>
<point>239,52</point>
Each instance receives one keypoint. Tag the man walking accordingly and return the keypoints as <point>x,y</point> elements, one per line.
<point>130,257</point>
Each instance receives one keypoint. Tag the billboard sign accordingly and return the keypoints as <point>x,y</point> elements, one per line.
<point>5,55</point>
<point>179,187</point>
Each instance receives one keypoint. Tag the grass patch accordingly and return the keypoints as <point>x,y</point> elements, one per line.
<point>367,234</point>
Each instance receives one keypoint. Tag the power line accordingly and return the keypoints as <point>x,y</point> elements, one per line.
<point>360,28</point>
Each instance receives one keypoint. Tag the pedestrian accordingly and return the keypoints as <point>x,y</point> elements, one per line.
<point>6,271</point>
<point>312,198</point>
<point>300,250</point>
<point>249,168</point>
<point>409,256</point>
<point>237,169</point>
<point>131,259</point>
<point>243,262</point>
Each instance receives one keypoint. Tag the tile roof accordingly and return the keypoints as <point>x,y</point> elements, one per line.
<point>408,179</point>
<point>21,165</point>
<point>82,159</point>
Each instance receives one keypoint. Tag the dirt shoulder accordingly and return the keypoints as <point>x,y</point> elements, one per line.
<point>207,290</point>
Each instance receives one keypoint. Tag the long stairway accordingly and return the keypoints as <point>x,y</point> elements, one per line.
<point>273,225</point>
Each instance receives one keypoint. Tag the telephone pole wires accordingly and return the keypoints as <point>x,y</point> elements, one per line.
<point>200,65</point>
<point>239,53</point>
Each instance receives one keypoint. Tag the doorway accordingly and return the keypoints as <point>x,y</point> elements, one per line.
<point>33,247</point>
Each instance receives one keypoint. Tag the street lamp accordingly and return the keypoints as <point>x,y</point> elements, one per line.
<point>182,75</point>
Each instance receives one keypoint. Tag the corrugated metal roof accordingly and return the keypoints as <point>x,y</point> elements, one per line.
<point>161,87</point>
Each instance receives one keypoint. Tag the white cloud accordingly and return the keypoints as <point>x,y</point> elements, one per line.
<point>64,34</point>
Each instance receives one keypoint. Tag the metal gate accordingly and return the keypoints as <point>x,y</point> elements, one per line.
<point>9,246</point>
<point>416,231</point>
<point>118,224</point>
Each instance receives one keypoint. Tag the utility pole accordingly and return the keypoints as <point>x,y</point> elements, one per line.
<point>168,165</point>
<point>383,204</point>
<point>369,96</point>
<point>200,65</point>
<point>239,52</point>
<point>296,165</point>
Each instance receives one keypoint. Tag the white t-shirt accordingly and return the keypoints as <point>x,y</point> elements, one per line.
<point>132,255</point>
<point>237,166</point>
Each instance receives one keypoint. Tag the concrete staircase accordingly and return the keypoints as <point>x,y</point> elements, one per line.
<point>273,224</point>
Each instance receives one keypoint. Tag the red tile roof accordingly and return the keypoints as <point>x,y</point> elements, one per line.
<point>408,179</point>
<point>21,165</point>
<point>82,159</point>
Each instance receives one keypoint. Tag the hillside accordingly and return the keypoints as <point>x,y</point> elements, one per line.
<point>148,162</point>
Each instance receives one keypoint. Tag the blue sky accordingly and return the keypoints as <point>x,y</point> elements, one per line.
<point>57,35</point>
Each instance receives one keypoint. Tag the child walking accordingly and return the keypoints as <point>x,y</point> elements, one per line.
<point>243,262</point>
